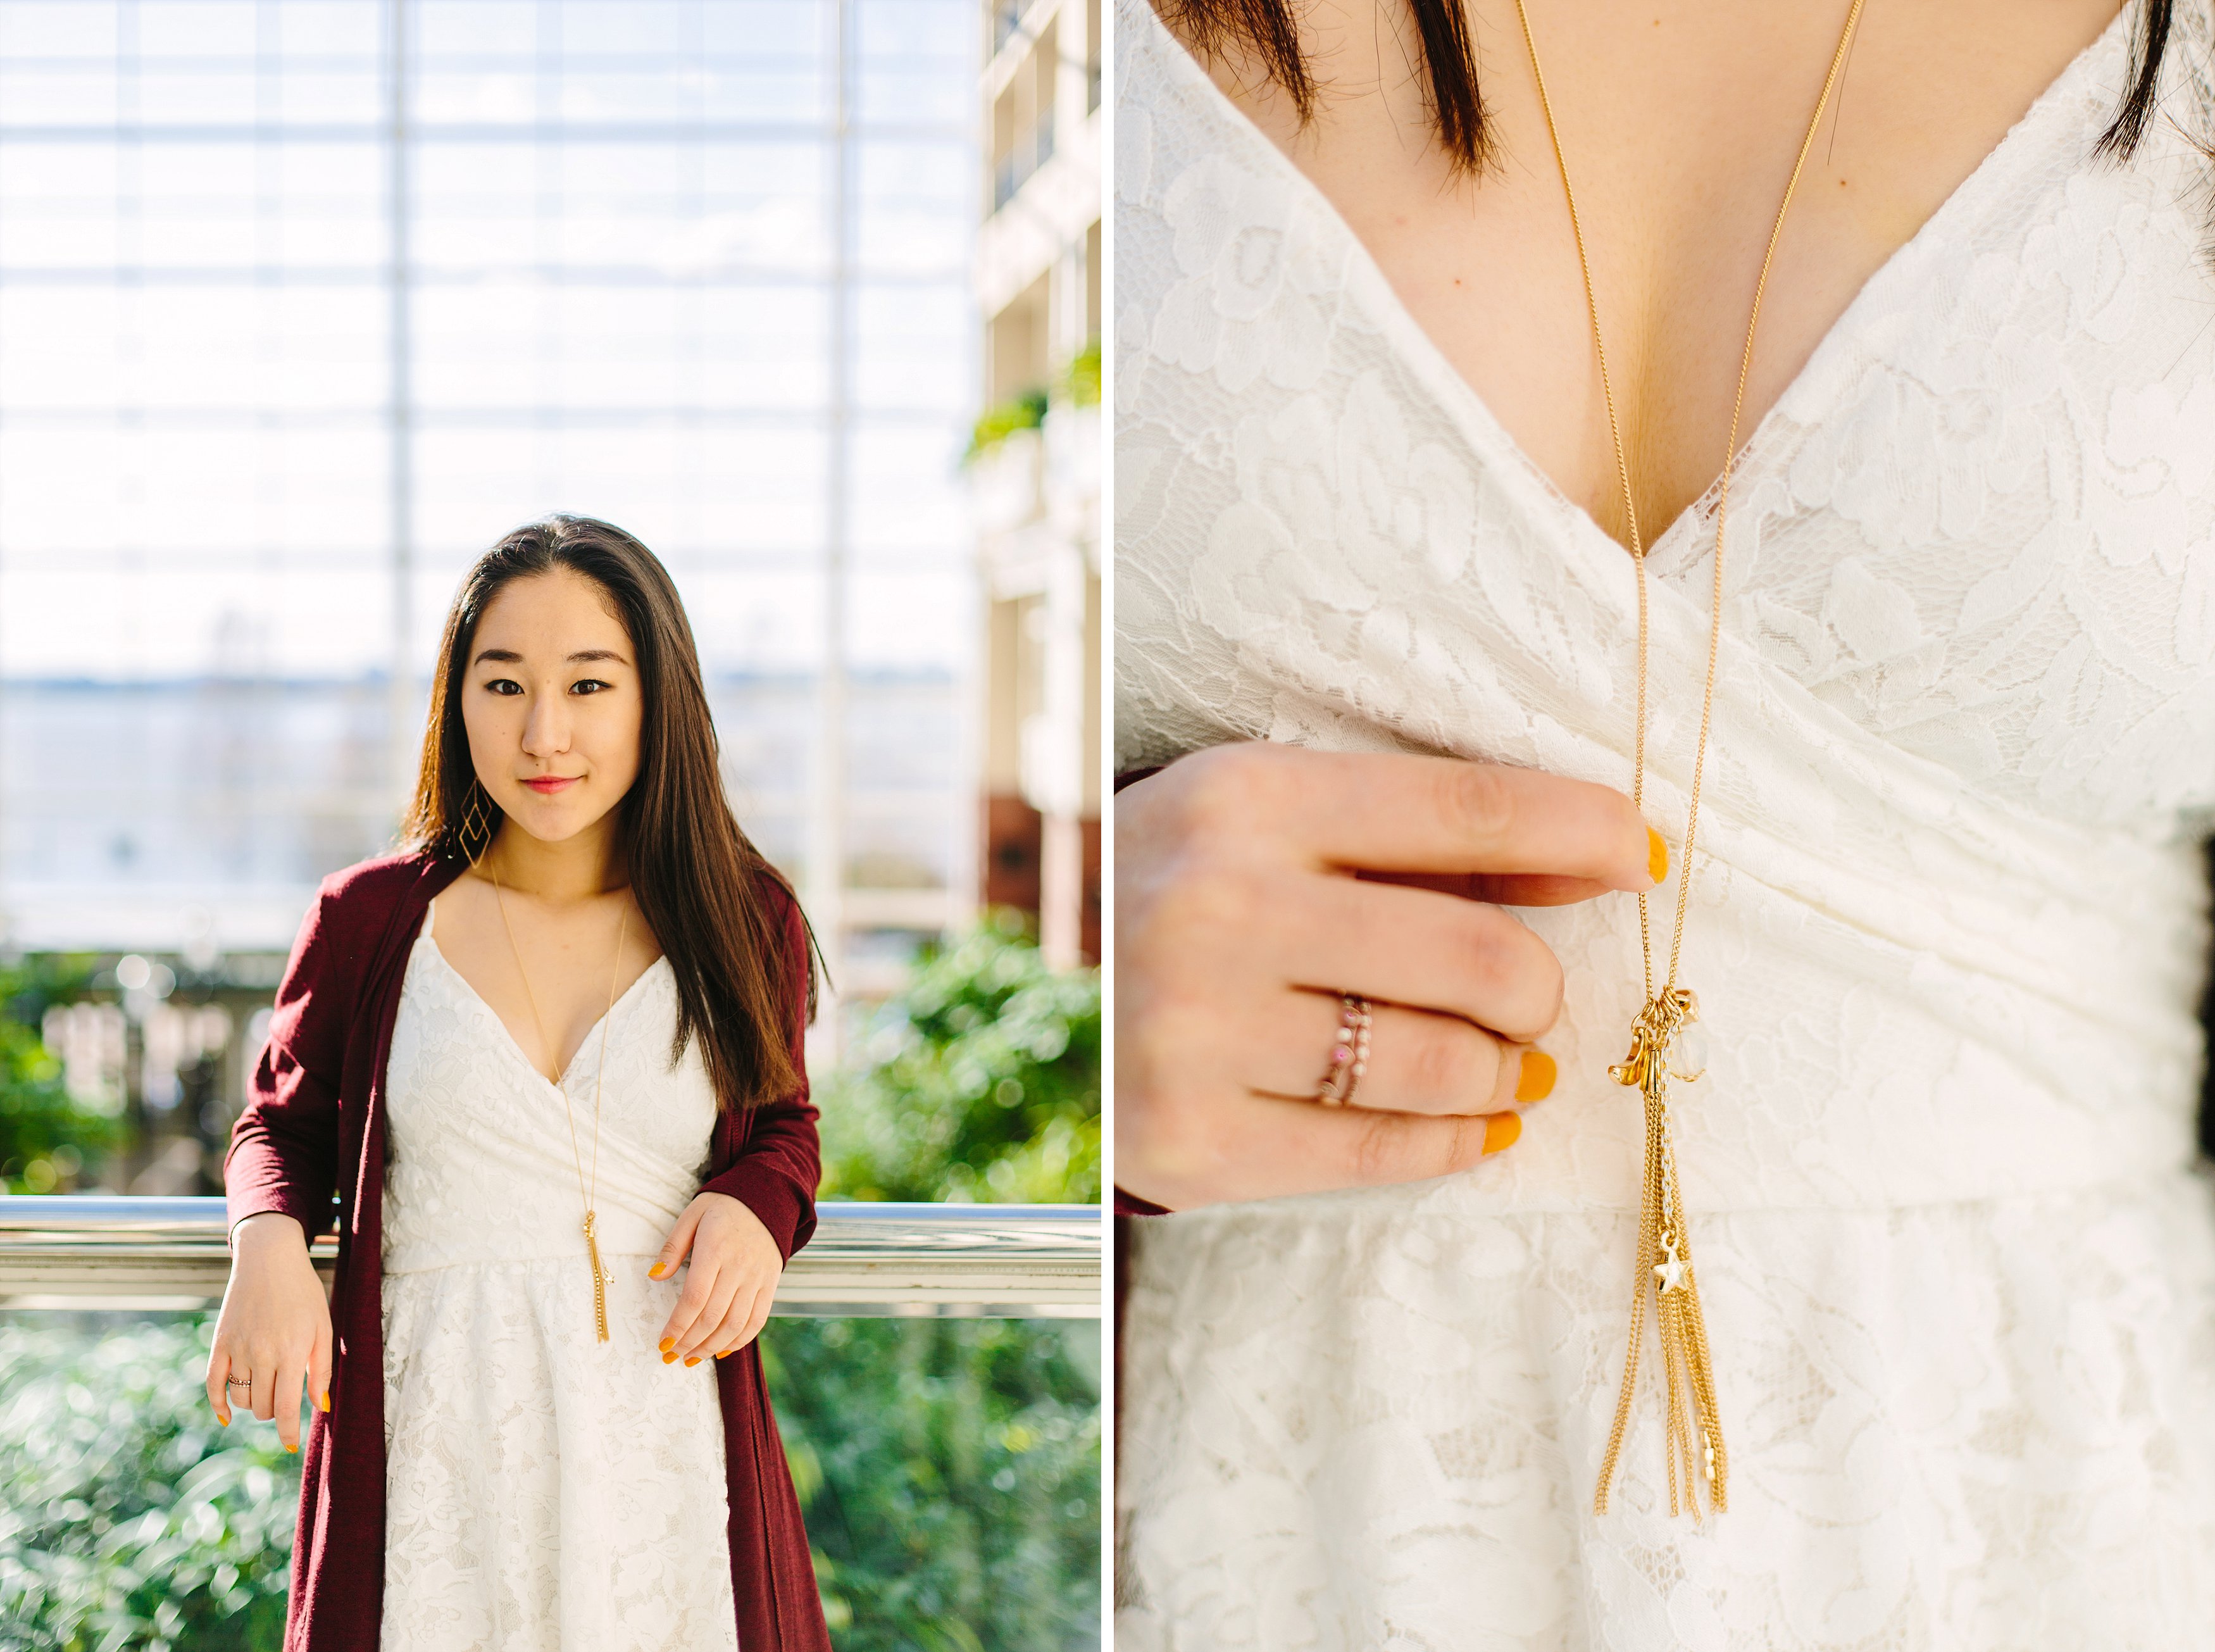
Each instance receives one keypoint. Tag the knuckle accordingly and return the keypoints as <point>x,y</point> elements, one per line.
<point>1461,1144</point>
<point>1493,961</point>
<point>1182,912</point>
<point>1378,1152</point>
<point>1515,976</point>
<point>1478,801</point>
<point>1441,1059</point>
<point>1416,1150</point>
<point>1223,783</point>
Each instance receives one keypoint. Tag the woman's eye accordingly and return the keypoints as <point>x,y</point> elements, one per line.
<point>589,685</point>
<point>504,685</point>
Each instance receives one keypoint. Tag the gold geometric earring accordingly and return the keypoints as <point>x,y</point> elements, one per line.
<point>477,827</point>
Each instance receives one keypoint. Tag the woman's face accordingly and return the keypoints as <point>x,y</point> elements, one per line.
<point>552,703</point>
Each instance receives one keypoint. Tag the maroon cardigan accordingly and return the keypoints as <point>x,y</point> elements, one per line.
<point>315,1122</point>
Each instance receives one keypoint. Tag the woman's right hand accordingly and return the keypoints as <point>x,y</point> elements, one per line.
<point>275,1326</point>
<point>1256,883</point>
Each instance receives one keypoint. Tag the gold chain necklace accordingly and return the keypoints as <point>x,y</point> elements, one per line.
<point>601,1277</point>
<point>1659,1046</point>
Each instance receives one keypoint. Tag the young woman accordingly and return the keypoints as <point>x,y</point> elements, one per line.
<point>549,1060</point>
<point>1390,464</point>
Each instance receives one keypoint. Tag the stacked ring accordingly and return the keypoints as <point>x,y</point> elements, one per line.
<point>1349,1056</point>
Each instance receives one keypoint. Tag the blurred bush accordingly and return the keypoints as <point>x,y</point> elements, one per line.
<point>1080,380</point>
<point>129,1517</point>
<point>950,1471</point>
<point>1024,411</point>
<point>979,1083</point>
<point>49,1142</point>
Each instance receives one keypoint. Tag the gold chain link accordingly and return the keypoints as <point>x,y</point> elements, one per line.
<point>590,1195</point>
<point>1685,1342</point>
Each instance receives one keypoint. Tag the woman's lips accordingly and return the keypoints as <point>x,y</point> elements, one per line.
<point>547,785</point>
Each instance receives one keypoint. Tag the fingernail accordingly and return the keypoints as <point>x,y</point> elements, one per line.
<point>695,1359</point>
<point>224,1421</point>
<point>669,1358</point>
<point>291,1448</point>
<point>667,1343</point>
<point>1500,1131</point>
<point>1657,855</point>
<point>654,1272</point>
<point>327,1399</point>
<point>1535,1082</point>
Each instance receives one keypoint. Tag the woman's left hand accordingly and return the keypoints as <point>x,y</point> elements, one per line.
<point>726,1300</point>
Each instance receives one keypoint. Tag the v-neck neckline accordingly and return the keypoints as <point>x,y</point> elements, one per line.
<point>507,1035</point>
<point>1483,428</point>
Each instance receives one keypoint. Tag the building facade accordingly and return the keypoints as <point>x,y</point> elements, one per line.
<point>1034,466</point>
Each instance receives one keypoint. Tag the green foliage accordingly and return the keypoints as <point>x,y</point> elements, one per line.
<point>996,423</point>
<point>950,1470</point>
<point>979,1083</point>
<point>46,1136</point>
<point>1080,380</point>
<point>1078,385</point>
<point>129,1517</point>
<point>951,1473</point>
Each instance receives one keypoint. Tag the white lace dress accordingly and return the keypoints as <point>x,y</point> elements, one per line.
<point>1948,930</point>
<point>545,1491</point>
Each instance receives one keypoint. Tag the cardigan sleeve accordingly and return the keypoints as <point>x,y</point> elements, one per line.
<point>285,1146</point>
<point>781,1165</point>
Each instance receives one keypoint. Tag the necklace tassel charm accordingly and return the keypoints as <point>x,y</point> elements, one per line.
<point>1695,1451</point>
<point>600,1278</point>
<point>1659,1048</point>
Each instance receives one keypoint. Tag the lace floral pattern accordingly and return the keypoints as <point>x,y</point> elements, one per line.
<point>544,1490</point>
<point>1949,928</point>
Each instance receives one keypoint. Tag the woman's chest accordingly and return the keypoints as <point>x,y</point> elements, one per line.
<point>1679,125</point>
<point>459,1090</point>
<point>1980,524</point>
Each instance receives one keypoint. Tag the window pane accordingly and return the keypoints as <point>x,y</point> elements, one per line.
<point>618,299</point>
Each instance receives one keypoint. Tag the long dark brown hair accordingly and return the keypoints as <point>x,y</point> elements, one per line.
<point>1265,28</point>
<point>698,880</point>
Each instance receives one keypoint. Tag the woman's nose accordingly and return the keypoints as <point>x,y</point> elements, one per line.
<point>546,731</point>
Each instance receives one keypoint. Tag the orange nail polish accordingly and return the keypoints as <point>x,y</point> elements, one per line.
<point>224,1421</point>
<point>327,1399</point>
<point>669,1358</point>
<point>291,1448</point>
<point>667,1343</point>
<point>695,1359</point>
<point>1500,1131</point>
<point>1657,855</point>
<point>654,1272</point>
<point>1535,1081</point>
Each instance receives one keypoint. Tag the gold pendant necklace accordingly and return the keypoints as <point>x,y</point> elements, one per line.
<point>1661,1036</point>
<point>601,1277</point>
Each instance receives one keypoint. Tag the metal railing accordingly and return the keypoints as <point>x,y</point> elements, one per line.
<point>73,1250</point>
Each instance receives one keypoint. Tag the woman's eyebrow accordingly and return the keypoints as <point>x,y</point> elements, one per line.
<point>509,656</point>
